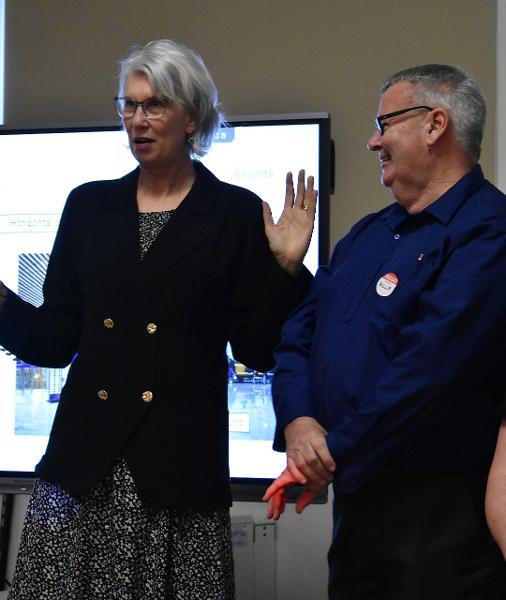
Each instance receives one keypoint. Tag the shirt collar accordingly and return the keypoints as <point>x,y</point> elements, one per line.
<point>446,205</point>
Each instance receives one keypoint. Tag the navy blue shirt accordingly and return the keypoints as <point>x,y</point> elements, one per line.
<point>399,350</point>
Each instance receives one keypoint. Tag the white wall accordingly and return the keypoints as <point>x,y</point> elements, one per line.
<point>301,549</point>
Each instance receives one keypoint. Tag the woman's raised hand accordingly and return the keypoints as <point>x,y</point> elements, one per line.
<point>289,238</point>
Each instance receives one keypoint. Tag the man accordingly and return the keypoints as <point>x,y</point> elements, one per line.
<point>388,375</point>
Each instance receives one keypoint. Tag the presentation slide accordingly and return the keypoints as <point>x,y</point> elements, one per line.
<point>38,172</point>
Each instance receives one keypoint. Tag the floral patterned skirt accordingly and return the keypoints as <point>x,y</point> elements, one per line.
<point>106,546</point>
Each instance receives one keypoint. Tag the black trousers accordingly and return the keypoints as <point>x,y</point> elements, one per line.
<point>423,539</point>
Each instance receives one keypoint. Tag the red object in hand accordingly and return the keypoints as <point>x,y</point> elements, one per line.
<point>276,495</point>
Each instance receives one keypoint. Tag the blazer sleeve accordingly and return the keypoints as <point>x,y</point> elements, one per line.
<point>48,335</point>
<point>264,296</point>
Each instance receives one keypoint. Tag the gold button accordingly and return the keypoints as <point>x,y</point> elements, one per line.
<point>102,394</point>
<point>151,327</point>
<point>147,396</point>
<point>109,323</point>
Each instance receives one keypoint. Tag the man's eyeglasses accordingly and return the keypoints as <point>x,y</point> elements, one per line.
<point>382,118</point>
<point>153,108</point>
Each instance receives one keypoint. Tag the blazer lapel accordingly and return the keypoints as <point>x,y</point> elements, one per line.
<point>119,233</point>
<point>187,229</point>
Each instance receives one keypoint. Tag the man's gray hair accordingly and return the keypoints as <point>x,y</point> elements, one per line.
<point>179,73</point>
<point>451,88</point>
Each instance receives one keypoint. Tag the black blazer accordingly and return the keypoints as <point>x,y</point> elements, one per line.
<point>149,379</point>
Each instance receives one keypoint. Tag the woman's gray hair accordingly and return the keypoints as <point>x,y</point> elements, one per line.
<point>179,73</point>
<point>451,88</point>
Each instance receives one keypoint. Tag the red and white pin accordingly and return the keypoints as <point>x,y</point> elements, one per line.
<point>386,284</point>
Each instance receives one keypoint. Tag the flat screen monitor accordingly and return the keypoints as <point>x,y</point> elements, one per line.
<point>39,168</point>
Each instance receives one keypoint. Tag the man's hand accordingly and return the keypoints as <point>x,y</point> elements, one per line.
<point>495,500</point>
<point>289,238</point>
<point>309,463</point>
<point>308,453</point>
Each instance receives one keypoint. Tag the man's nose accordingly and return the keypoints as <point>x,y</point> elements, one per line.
<point>374,143</point>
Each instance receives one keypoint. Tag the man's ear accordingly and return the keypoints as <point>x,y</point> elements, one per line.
<point>437,122</point>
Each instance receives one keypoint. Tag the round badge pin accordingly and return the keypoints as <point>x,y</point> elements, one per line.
<point>387,284</point>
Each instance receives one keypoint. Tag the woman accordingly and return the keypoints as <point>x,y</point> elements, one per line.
<point>149,278</point>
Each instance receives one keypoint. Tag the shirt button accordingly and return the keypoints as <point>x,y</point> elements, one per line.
<point>147,396</point>
<point>396,236</point>
<point>151,327</point>
<point>108,323</point>
<point>102,394</point>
